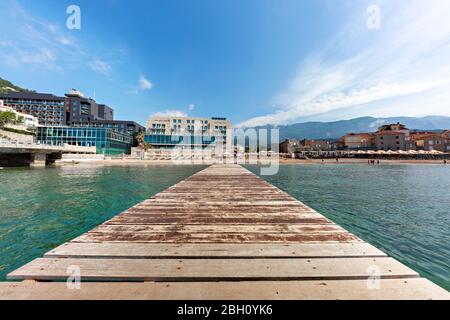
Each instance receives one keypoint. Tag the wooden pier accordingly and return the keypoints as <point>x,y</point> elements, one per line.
<point>223,233</point>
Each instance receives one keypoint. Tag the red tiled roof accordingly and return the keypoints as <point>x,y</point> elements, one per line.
<point>390,132</point>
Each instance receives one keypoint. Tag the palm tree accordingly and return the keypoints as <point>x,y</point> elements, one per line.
<point>142,144</point>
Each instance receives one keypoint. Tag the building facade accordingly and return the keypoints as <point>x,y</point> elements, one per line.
<point>130,127</point>
<point>47,108</point>
<point>392,140</point>
<point>81,110</point>
<point>106,141</point>
<point>358,141</point>
<point>290,146</point>
<point>171,131</point>
<point>392,137</point>
<point>430,141</point>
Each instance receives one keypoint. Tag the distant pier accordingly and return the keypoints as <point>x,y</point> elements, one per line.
<point>223,233</point>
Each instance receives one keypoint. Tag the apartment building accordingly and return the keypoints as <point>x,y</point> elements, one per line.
<point>392,137</point>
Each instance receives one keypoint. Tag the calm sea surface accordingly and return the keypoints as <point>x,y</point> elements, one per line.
<point>401,209</point>
<point>42,208</point>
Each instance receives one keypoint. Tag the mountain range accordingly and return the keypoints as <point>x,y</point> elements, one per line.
<point>336,129</point>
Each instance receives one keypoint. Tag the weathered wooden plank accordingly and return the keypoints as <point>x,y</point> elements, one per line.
<point>222,228</point>
<point>210,250</point>
<point>186,237</point>
<point>388,289</point>
<point>214,269</point>
<point>205,219</point>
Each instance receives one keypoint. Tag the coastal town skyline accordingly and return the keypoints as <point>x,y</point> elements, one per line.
<point>139,78</point>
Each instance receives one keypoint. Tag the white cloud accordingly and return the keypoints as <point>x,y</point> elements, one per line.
<point>170,113</point>
<point>397,70</point>
<point>100,66</point>
<point>191,107</point>
<point>144,84</point>
<point>64,40</point>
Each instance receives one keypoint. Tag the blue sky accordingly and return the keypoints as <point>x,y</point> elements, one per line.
<point>253,61</point>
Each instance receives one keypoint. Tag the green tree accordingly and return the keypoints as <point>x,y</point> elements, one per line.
<point>7,117</point>
<point>19,120</point>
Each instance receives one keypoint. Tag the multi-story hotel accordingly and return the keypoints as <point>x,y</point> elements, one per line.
<point>82,110</point>
<point>47,108</point>
<point>171,131</point>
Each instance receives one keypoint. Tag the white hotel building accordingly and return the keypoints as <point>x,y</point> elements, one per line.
<point>171,131</point>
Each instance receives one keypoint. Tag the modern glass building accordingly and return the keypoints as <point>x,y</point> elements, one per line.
<point>172,141</point>
<point>107,141</point>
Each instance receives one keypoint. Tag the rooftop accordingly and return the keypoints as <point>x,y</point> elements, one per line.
<point>31,95</point>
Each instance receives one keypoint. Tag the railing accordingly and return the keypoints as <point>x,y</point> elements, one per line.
<point>28,145</point>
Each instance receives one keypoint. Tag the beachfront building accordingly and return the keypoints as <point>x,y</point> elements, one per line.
<point>107,141</point>
<point>317,145</point>
<point>187,132</point>
<point>430,141</point>
<point>358,141</point>
<point>392,137</point>
<point>294,145</point>
<point>290,146</point>
<point>130,127</point>
<point>47,108</point>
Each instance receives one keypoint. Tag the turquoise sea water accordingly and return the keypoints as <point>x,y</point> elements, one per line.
<point>42,208</point>
<point>402,209</point>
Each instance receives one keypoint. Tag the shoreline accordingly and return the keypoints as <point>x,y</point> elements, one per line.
<point>342,161</point>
